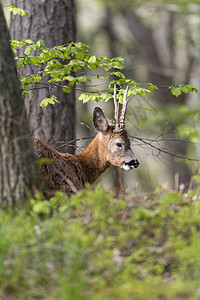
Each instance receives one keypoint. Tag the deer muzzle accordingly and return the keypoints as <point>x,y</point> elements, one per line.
<point>131,161</point>
<point>134,163</point>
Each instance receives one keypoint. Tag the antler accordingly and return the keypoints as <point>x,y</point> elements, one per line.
<point>116,103</point>
<point>123,112</point>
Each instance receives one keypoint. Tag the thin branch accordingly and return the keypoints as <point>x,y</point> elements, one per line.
<point>87,126</point>
<point>74,141</point>
<point>161,150</point>
<point>142,141</point>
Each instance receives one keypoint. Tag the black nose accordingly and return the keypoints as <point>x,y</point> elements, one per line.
<point>134,163</point>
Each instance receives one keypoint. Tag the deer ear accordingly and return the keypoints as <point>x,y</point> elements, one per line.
<point>99,120</point>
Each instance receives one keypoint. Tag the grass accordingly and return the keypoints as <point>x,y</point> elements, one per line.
<point>94,246</point>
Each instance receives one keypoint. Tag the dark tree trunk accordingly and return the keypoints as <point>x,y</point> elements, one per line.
<point>54,21</point>
<point>19,175</point>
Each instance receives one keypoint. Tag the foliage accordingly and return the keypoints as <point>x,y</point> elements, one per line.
<point>182,88</point>
<point>63,64</point>
<point>94,246</point>
<point>66,66</point>
<point>18,11</point>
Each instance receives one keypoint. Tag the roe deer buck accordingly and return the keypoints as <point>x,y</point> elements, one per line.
<point>111,145</point>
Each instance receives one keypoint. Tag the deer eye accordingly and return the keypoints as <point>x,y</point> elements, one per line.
<point>119,145</point>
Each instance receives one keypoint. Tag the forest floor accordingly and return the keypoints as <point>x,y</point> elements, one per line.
<point>95,246</point>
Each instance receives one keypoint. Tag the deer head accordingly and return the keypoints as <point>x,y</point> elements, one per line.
<point>115,144</point>
<point>111,145</point>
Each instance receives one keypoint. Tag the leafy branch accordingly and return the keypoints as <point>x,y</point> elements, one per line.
<point>62,64</point>
<point>18,11</point>
<point>67,65</point>
<point>182,89</point>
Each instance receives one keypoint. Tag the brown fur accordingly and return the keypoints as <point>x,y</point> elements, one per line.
<point>70,173</point>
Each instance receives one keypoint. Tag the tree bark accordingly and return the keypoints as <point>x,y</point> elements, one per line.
<point>19,174</point>
<point>54,21</point>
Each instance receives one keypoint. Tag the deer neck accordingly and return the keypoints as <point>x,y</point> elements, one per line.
<point>93,159</point>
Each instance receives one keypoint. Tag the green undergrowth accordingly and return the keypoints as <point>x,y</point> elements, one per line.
<point>94,246</point>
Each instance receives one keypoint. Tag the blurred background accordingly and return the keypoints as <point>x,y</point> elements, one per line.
<point>160,42</point>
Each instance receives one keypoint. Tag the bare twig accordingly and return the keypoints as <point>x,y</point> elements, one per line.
<point>149,142</point>
<point>74,141</point>
<point>87,126</point>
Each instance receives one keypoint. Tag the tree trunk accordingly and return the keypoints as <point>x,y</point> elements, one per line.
<point>19,175</point>
<point>54,21</point>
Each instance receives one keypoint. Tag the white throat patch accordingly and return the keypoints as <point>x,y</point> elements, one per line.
<point>126,167</point>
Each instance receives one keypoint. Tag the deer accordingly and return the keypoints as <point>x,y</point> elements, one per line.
<point>111,146</point>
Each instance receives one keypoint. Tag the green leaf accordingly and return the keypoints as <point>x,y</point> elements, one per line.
<point>118,59</point>
<point>76,68</point>
<point>18,11</point>
<point>183,88</point>
<point>66,89</point>
<point>46,101</point>
<point>83,97</point>
<point>28,50</point>
<point>94,66</point>
<point>28,41</point>
<point>83,79</point>
<point>107,75</point>
<point>176,91</point>
<point>15,43</point>
<point>106,59</point>
<point>152,87</point>
<point>94,59</point>
<point>106,96</point>
<point>40,43</point>
<point>86,97</point>
<point>186,88</point>
<point>114,65</point>
<point>80,56</point>
<point>118,74</point>
<point>135,90</point>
